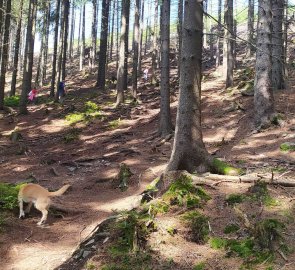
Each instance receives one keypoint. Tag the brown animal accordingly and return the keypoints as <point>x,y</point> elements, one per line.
<point>33,193</point>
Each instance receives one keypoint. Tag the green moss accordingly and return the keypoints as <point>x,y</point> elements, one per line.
<point>182,192</point>
<point>198,225</point>
<point>235,198</point>
<point>285,147</point>
<point>171,230</point>
<point>222,167</point>
<point>8,196</point>
<point>12,101</point>
<point>200,266</point>
<point>115,123</point>
<point>231,228</point>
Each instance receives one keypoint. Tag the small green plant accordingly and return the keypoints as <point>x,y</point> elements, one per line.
<point>198,224</point>
<point>8,196</point>
<point>12,101</point>
<point>115,123</point>
<point>90,266</point>
<point>71,135</point>
<point>200,266</point>
<point>234,199</point>
<point>91,107</point>
<point>217,243</point>
<point>231,228</point>
<point>171,230</point>
<point>285,147</point>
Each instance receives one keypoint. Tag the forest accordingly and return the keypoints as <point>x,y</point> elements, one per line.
<point>147,135</point>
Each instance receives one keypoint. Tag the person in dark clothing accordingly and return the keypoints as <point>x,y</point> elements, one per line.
<point>61,91</point>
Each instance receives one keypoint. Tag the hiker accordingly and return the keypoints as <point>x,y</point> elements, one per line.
<point>32,96</point>
<point>145,74</point>
<point>61,91</point>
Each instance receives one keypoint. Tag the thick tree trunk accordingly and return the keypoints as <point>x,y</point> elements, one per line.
<point>53,76</point>
<point>16,50</point>
<point>263,94</point>
<point>101,76</point>
<point>278,45</point>
<point>189,152</point>
<point>29,56</point>
<point>2,7</point>
<point>250,48</point>
<point>5,45</point>
<point>165,127</point>
<point>136,48</point>
<point>228,59</point>
<point>120,71</point>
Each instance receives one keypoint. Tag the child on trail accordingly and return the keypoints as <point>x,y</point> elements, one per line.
<point>32,96</point>
<point>145,74</point>
<point>61,91</point>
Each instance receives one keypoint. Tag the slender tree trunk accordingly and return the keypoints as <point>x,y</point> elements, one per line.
<point>93,34</point>
<point>2,7</point>
<point>125,78</point>
<point>140,38</point>
<point>205,6</point>
<point>165,127</point>
<point>29,55</point>
<point>155,51</point>
<point>79,33</point>
<point>71,51</point>
<point>117,37</point>
<point>189,152</point>
<point>250,48</point>
<point>112,30</point>
<point>65,38</point>
<point>53,76</point>
<point>228,63</point>
<point>101,75</point>
<point>278,45</point>
<point>45,55</point>
<point>179,32</point>
<point>136,48</point>
<point>5,45</point>
<point>263,94</point>
<point>16,50</point>
<point>218,43</point>
<point>120,71</point>
<point>83,36</point>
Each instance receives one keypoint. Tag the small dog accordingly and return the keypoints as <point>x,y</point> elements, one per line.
<point>33,193</point>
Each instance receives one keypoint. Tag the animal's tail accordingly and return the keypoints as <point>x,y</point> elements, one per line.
<point>60,191</point>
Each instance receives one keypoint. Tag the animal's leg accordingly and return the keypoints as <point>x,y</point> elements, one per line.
<point>28,209</point>
<point>44,217</point>
<point>21,208</point>
<point>42,206</point>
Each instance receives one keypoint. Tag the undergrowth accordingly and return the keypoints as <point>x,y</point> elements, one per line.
<point>12,101</point>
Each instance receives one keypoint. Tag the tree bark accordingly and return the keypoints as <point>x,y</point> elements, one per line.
<point>179,32</point>
<point>93,34</point>
<point>228,60</point>
<point>165,127</point>
<point>101,76</point>
<point>65,38</point>
<point>155,47</point>
<point>250,48</point>
<point>16,50</point>
<point>136,49</point>
<point>218,44</point>
<point>72,34</point>
<point>5,45</point>
<point>278,45</point>
<point>29,56</point>
<point>140,38</point>
<point>53,76</point>
<point>112,30</point>
<point>189,152</point>
<point>125,77</point>
<point>263,94</point>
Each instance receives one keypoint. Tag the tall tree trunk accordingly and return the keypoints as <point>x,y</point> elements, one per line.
<point>112,30</point>
<point>117,36</point>
<point>72,34</point>
<point>5,45</point>
<point>263,94</point>
<point>228,60</point>
<point>125,77</point>
<point>179,32</point>
<point>218,43</point>
<point>155,51</point>
<point>205,6</point>
<point>136,47</point>
<point>45,54</point>
<point>79,32</point>
<point>278,45</point>
<point>189,152</point>
<point>83,37</point>
<point>93,34</point>
<point>2,7</point>
<point>250,48</point>
<point>165,127</point>
<point>101,75</point>
<point>120,71</point>
<point>16,50</point>
<point>140,38</point>
<point>65,38</point>
<point>29,56</point>
<point>53,76</point>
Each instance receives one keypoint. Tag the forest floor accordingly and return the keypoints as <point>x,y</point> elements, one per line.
<point>88,154</point>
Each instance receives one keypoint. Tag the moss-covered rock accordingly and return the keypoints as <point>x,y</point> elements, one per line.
<point>224,168</point>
